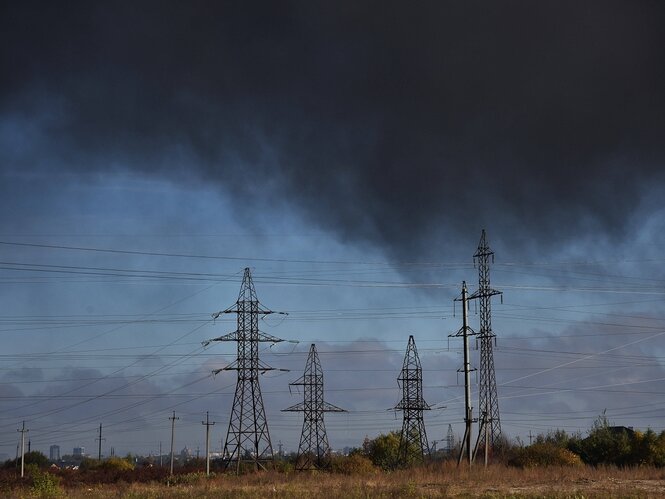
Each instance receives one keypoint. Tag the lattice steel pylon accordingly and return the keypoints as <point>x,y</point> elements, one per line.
<point>450,440</point>
<point>314,450</point>
<point>488,406</point>
<point>247,438</point>
<point>413,444</point>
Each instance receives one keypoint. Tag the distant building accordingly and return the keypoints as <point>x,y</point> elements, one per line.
<point>79,452</point>
<point>185,454</point>
<point>54,453</point>
<point>618,430</point>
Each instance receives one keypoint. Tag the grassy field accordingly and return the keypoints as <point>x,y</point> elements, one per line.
<point>432,481</point>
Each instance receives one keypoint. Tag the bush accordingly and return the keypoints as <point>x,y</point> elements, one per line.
<point>88,464</point>
<point>543,454</point>
<point>382,450</point>
<point>44,484</point>
<point>355,464</point>
<point>284,466</point>
<point>116,464</point>
<point>648,449</point>
<point>186,478</point>
<point>606,445</point>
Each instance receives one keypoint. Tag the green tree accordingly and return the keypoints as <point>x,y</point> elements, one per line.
<point>648,448</point>
<point>382,450</point>
<point>606,445</point>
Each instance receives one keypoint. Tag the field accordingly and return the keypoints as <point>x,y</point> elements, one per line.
<point>431,481</point>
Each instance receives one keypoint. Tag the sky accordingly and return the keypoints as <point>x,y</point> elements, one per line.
<point>349,154</point>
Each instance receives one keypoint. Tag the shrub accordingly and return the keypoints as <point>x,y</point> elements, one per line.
<point>186,478</point>
<point>44,484</point>
<point>87,464</point>
<point>382,450</point>
<point>606,445</point>
<point>116,464</point>
<point>284,466</point>
<point>355,464</point>
<point>543,454</point>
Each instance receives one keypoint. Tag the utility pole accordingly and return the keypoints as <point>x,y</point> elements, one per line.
<point>465,332</point>
<point>413,439</point>
<point>247,438</point>
<point>279,446</point>
<point>314,450</point>
<point>208,424</point>
<point>160,454</point>
<point>23,431</point>
<point>488,398</point>
<point>173,420</point>
<point>100,442</point>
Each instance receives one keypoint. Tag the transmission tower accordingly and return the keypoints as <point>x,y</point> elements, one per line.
<point>247,438</point>
<point>413,440</point>
<point>314,451</point>
<point>488,409</point>
<point>450,440</point>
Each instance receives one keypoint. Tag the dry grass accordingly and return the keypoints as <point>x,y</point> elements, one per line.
<point>440,480</point>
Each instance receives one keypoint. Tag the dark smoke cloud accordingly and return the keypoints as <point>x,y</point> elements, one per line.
<point>380,120</point>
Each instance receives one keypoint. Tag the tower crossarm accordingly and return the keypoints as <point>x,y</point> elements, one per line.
<point>484,293</point>
<point>299,407</point>
<point>327,407</point>
<point>262,367</point>
<point>419,405</point>
<point>234,336</point>
<point>236,309</point>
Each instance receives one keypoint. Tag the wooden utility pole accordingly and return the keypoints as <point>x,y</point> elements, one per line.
<point>23,431</point>
<point>173,420</point>
<point>208,424</point>
<point>99,454</point>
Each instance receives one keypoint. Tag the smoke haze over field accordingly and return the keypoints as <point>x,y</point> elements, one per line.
<point>350,153</point>
<point>377,120</point>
